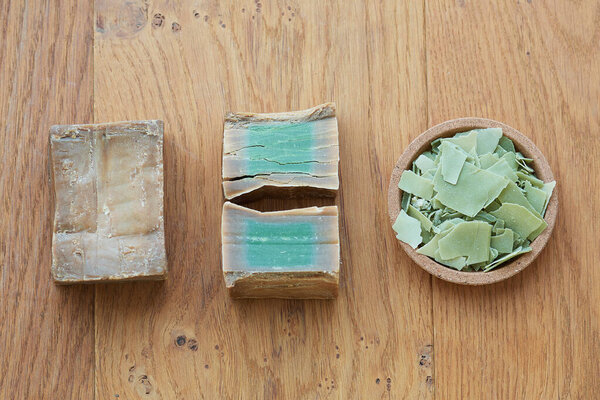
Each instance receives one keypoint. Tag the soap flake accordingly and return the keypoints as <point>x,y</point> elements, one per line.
<point>475,201</point>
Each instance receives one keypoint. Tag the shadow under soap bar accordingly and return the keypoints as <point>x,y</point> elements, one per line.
<point>290,153</point>
<point>108,221</point>
<point>281,254</point>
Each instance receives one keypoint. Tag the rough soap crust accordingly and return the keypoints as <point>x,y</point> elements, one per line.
<point>241,119</point>
<point>57,132</point>
<point>288,285</point>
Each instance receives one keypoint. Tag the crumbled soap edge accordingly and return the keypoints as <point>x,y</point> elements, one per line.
<point>408,229</point>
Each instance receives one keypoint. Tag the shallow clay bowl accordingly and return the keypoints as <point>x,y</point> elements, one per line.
<point>522,144</point>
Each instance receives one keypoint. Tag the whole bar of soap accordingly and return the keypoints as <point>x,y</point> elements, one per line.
<point>282,254</point>
<point>282,153</point>
<point>108,220</point>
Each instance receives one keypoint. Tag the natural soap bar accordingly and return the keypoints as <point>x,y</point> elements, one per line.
<point>283,254</point>
<point>108,219</point>
<point>293,153</point>
<point>472,201</point>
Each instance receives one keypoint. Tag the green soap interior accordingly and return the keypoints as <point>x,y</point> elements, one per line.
<point>285,147</point>
<point>473,200</point>
<point>276,244</point>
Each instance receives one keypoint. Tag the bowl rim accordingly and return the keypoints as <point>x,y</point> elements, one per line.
<point>522,144</point>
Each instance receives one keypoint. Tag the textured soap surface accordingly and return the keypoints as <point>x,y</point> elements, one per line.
<point>286,254</point>
<point>108,184</point>
<point>281,153</point>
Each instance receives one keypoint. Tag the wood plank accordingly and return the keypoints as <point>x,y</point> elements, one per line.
<point>187,63</point>
<point>535,66</point>
<point>46,332</point>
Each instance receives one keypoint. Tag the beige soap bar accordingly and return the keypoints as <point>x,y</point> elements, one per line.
<point>108,219</point>
<point>281,154</point>
<point>282,254</point>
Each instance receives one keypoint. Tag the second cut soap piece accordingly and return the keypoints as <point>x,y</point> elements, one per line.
<point>291,153</point>
<point>281,254</point>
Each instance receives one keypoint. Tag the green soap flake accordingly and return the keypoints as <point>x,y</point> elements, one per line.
<point>416,214</point>
<point>457,263</point>
<point>534,181</point>
<point>518,251</point>
<point>503,169</point>
<point>499,151</point>
<point>415,184</point>
<point>487,160</point>
<point>493,255</point>
<point>431,247</point>
<point>405,200</point>
<point>548,188</point>
<point>467,141</point>
<point>481,186</point>
<point>507,144</point>
<point>467,239</point>
<point>522,163</point>
<point>537,232</point>
<point>487,140</point>
<point>518,240</point>
<point>493,206</point>
<point>535,196</point>
<point>498,225</point>
<point>427,236</point>
<point>424,163</point>
<point>503,242</point>
<point>521,157</point>
<point>512,194</point>
<point>408,229</point>
<point>484,216</point>
<point>429,154</point>
<point>448,224</point>
<point>436,203</point>
<point>452,160</point>
<point>511,160</point>
<point>519,219</point>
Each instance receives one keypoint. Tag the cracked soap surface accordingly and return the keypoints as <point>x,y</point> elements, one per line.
<point>108,180</point>
<point>296,149</point>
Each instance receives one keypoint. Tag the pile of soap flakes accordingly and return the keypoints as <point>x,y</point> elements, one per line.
<point>472,201</point>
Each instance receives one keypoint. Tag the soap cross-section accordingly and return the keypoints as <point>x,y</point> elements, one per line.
<point>294,153</point>
<point>284,254</point>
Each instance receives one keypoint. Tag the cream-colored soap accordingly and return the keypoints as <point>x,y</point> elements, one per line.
<point>282,254</point>
<point>108,184</point>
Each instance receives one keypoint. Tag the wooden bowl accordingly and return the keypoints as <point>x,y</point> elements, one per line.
<point>522,144</point>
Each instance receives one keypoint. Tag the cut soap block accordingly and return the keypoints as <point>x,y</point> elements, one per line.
<point>108,220</point>
<point>281,254</point>
<point>291,153</point>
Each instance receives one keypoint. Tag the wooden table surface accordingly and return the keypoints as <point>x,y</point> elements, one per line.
<point>394,68</point>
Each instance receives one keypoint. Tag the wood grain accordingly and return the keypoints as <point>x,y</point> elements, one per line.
<point>190,64</point>
<point>46,332</point>
<point>534,65</point>
<point>394,69</point>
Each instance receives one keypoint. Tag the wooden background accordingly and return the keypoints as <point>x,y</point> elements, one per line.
<point>394,68</point>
